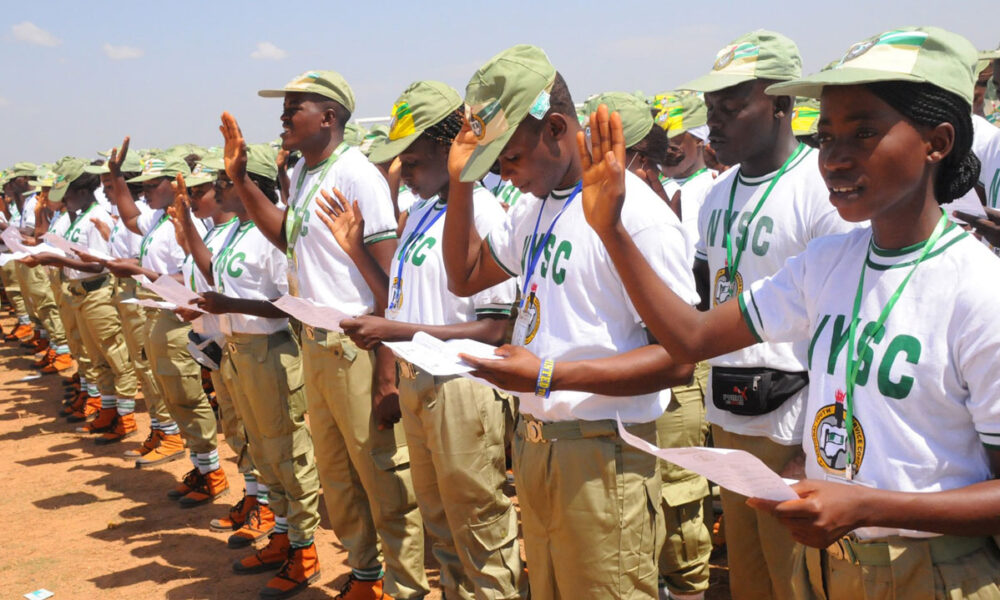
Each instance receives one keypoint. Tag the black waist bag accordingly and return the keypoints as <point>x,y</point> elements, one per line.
<point>756,391</point>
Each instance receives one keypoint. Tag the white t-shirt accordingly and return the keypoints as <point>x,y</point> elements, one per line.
<point>404,199</point>
<point>26,218</point>
<point>122,241</point>
<point>159,251</point>
<point>83,231</point>
<point>60,224</point>
<point>927,404</point>
<point>207,324</point>
<point>425,298</point>
<point>249,267</point>
<point>506,193</point>
<point>324,272</point>
<point>693,191</point>
<point>797,210</point>
<point>583,311</point>
<point>986,146</point>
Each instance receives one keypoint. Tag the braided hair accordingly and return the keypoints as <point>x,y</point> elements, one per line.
<point>928,105</point>
<point>444,131</point>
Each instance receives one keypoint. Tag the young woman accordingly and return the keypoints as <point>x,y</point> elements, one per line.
<point>902,427</point>
<point>454,426</point>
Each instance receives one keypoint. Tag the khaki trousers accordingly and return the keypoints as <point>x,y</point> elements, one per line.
<point>12,287</point>
<point>229,418</point>
<point>684,558</point>
<point>761,551</point>
<point>101,332</point>
<point>42,302</point>
<point>133,318</point>
<point>60,289</point>
<point>590,511</point>
<point>365,472</point>
<point>455,431</point>
<point>911,572</point>
<point>264,373</point>
<point>179,380</point>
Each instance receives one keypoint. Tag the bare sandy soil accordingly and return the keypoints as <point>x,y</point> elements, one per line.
<point>83,523</point>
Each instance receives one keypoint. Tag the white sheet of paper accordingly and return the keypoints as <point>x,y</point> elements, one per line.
<point>174,292</point>
<point>311,313</point>
<point>68,246</point>
<point>6,258</point>
<point>440,358</point>
<point>150,303</point>
<point>12,237</point>
<point>735,470</point>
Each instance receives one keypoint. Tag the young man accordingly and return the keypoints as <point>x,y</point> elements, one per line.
<point>753,219</point>
<point>353,401</point>
<point>590,504</point>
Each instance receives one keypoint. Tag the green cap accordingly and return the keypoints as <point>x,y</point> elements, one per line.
<point>757,55</point>
<point>162,166</point>
<point>354,134</point>
<point>262,159</point>
<point>422,105</point>
<point>918,54</point>
<point>680,111</point>
<point>200,175</point>
<point>805,116</point>
<point>329,84</point>
<point>636,117</point>
<point>512,85</point>
<point>23,169</point>
<point>67,170</point>
<point>376,136</point>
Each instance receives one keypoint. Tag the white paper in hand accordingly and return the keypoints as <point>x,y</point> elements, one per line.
<point>311,313</point>
<point>68,246</point>
<point>12,237</point>
<point>735,470</point>
<point>174,292</point>
<point>440,358</point>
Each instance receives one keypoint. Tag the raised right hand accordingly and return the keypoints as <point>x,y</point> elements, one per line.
<point>117,158</point>
<point>461,150</point>
<point>235,153</point>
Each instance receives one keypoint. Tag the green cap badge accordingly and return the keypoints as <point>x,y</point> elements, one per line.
<point>512,85</point>
<point>165,166</point>
<point>680,111</point>
<point>636,117</point>
<point>329,84</point>
<point>420,106</point>
<point>805,116</point>
<point>918,54</point>
<point>757,55</point>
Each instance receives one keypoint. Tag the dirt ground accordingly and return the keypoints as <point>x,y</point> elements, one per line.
<point>84,524</point>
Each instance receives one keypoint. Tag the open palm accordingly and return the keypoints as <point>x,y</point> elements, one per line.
<point>603,170</point>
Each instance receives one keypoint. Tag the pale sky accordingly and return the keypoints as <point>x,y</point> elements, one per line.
<point>78,77</point>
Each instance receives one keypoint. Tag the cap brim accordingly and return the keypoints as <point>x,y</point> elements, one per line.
<point>271,93</point>
<point>390,149</point>
<point>483,157</point>
<point>150,177</point>
<point>196,180</point>
<point>989,54</point>
<point>96,169</point>
<point>812,85</point>
<point>714,82</point>
<point>56,194</point>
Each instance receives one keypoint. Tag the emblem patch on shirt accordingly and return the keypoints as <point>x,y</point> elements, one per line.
<point>724,289</point>
<point>526,325</point>
<point>829,436</point>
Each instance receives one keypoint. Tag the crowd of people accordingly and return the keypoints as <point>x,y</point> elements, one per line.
<point>757,259</point>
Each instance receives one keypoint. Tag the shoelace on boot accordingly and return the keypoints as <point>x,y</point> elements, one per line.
<point>253,517</point>
<point>192,478</point>
<point>237,509</point>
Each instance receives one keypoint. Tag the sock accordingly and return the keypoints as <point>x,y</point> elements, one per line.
<point>43,334</point>
<point>372,574</point>
<point>193,456</point>
<point>694,596</point>
<point>24,320</point>
<point>170,428</point>
<point>126,406</point>
<point>60,350</point>
<point>302,543</point>
<point>154,424</point>
<point>92,390</point>
<point>108,401</point>
<point>262,494</point>
<point>208,461</point>
<point>280,524</point>
<point>250,482</point>
<point>83,382</point>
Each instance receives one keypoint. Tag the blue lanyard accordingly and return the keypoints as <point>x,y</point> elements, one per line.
<point>417,234</point>
<point>536,251</point>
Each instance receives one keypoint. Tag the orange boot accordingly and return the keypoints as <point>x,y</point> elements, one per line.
<point>22,332</point>
<point>91,406</point>
<point>105,421</point>
<point>299,570</point>
<point>171,447</point>
<point>213,484</point>
<point>236,517</point>
<point>60,362</point>
<point>187,483</point>
<point>124,427</point>
<point>75,404</point>
<point>358,589</point>
<point>33,341</point>
<point>259,523</point>
<point>268,558</point>
<point>152,441</point>
<point>45,358</point>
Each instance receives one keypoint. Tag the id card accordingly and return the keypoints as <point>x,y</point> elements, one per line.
<point>525,325</point>
<point>395,296</point>
<point>293,278</point>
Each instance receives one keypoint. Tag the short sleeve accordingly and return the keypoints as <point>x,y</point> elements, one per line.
<point>372,193</point>
<point>667,250</point>
<point>774,308</point>
<point>503,244</point>
<point>975,352</point>
<point>700,248</point>
<point>278,270</point>
<point>147,219</point>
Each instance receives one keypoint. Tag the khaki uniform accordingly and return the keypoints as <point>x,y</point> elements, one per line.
<point>944,568</point>
<point>685,555</point>
<point>12,287</point>
<point>761,550</point>
<point>364,471</point>
<point>605,505</point>
<point>179,379</point>
<point>455,431</point>
<point>42,302</point>
<point>60,290</point>
<point>230,420</point>
<point>264,373</point>
<point>101,332</point>
<point>133,318</point>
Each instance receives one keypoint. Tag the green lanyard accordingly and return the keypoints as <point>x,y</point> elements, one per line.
<point>55,218</point>
<point>234,238</point>
<point>208,238</point>
<point>76,223</point>
<point>853,364</point>
<point>733,266</point>
<point>300,204</point>
<point>691,176</point>
<point>144,246</point>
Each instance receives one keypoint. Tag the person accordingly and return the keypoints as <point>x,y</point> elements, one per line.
<point>754,218</point>
<point>902,425</point>
<point>352,397</point>
<point>23,329</point>
<point>580,357</point>
<point>262,369</point>
<point>455,427</point>
<point>178,375</point>
<point>89,288</point>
